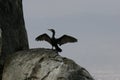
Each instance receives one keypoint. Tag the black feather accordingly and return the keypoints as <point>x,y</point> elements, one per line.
<point>54,42</point>
<point>66,39</point>
<point>43,37</point>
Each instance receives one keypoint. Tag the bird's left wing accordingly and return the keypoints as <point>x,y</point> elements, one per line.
<point>43,37</point>
<point>66,39</point>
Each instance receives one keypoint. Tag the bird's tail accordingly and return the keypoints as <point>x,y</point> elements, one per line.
<point>58,49</point>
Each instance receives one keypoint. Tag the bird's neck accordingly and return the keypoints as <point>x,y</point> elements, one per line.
<point>53,36</point>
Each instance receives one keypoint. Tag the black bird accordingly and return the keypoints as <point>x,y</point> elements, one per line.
<point>56,41</point>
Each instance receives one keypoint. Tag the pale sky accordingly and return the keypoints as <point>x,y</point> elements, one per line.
<point>95,23</point>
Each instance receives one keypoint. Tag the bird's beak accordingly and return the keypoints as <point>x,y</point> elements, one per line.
<point>49,29</point>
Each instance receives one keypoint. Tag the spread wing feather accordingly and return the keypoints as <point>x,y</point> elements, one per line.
<point>66,39</point>
<point>43,37</point>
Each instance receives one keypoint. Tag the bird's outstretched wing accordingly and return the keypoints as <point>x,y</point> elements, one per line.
<point>43,37</point>
<point>66,39</point>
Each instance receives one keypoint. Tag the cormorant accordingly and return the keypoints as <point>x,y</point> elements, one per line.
<point>56,41</point>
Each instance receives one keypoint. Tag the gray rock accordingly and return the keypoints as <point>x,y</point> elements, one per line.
<point>42,64</point>
<point>0,41</point>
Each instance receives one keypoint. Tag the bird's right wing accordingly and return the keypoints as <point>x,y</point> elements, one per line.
<point>43,37</point>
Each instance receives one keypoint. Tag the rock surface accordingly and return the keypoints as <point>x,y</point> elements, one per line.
<point>0,41</point>
<point>42,64</point>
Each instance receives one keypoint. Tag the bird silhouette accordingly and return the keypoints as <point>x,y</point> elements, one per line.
<point>56,41</point>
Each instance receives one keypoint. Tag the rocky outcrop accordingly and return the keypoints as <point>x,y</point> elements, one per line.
<point>42,64</point>
<point>0,45</point>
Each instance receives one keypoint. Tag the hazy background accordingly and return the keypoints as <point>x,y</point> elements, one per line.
<point>95,23</point>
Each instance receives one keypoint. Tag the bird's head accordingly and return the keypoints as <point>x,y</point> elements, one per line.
<point>52,30</point>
